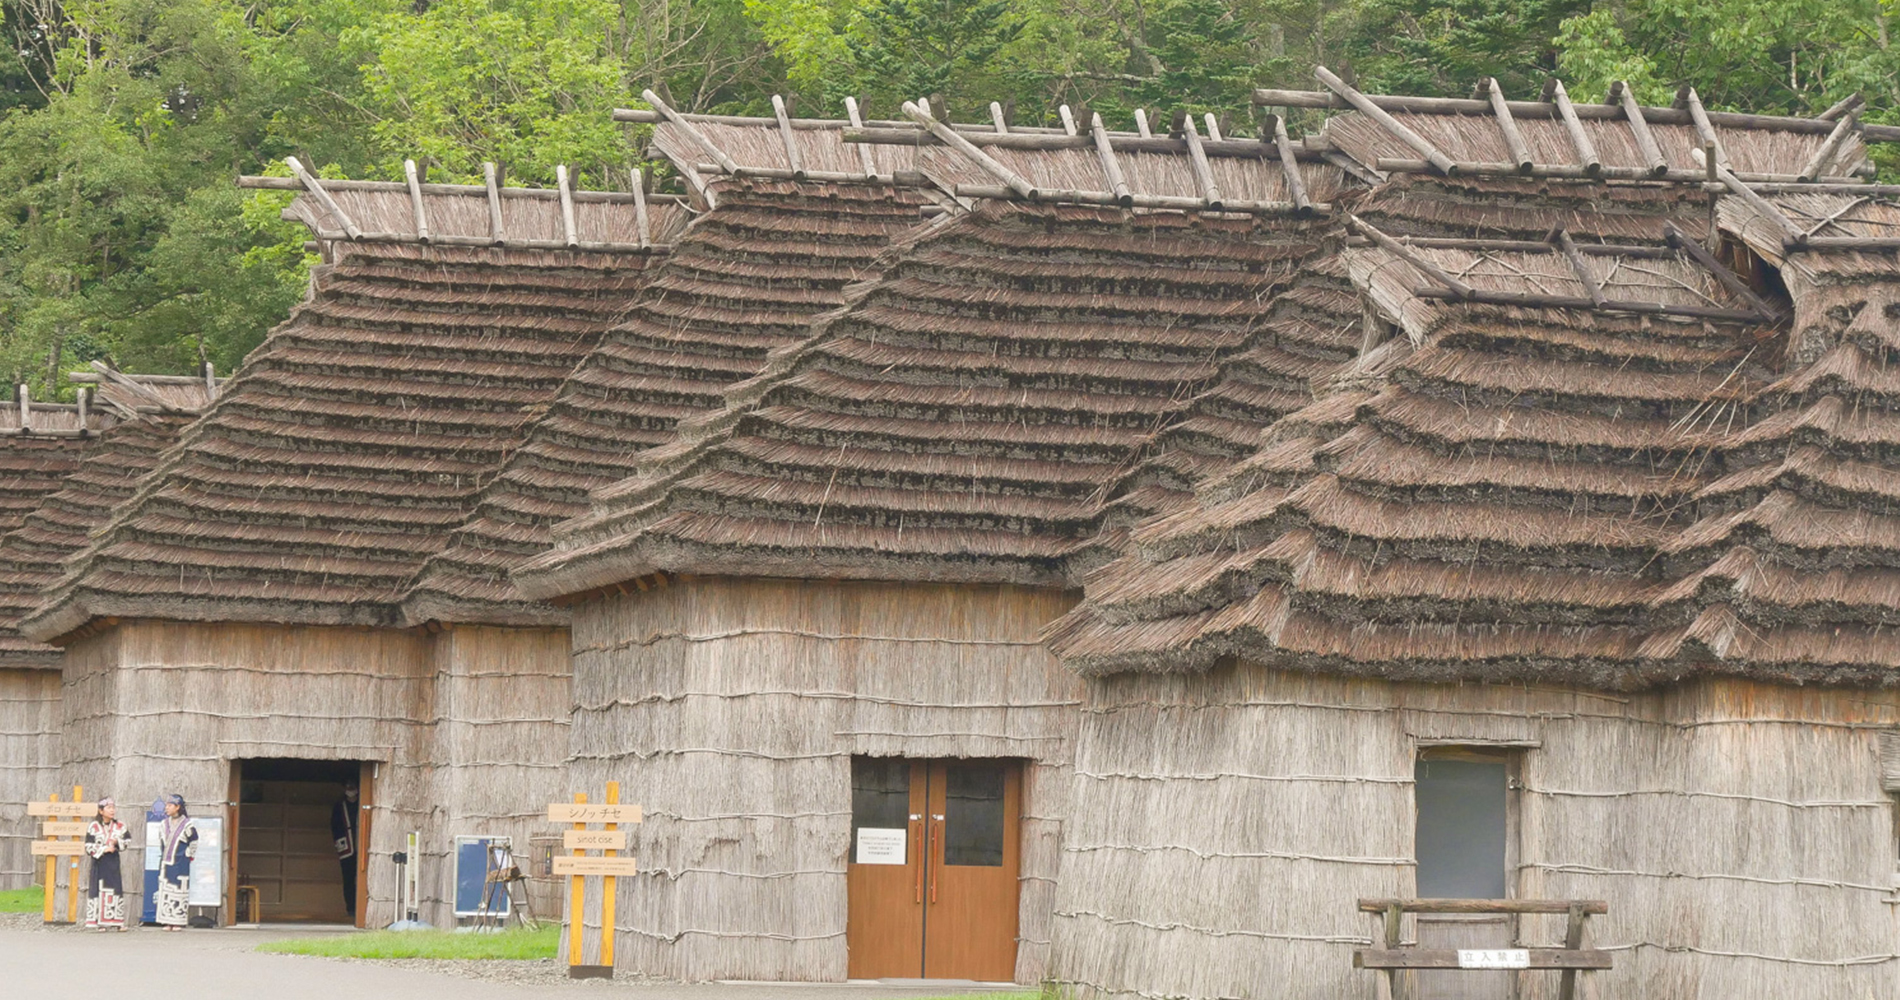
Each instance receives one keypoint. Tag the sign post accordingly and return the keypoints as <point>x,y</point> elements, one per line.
<point>61,819</point>
<point>579,866</point>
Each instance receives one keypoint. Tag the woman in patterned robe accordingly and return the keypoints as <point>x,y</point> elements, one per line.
<point>178,844</point>
<point>105,894</point>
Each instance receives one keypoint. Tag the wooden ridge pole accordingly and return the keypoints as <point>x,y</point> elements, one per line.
<point>1290,168</point>
<point>415,199</point>
<point>329,204</point>
<point>1513,139</point>
<point>1587,156</point>
<point>1439,161</point>
<point>1111,168</point>
<point>950,138</point>
<point>792,158</point>
<point>1620,93</point>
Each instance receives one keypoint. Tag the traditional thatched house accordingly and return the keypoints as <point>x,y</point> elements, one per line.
<point>234,633</point>
<point>63,466</point>
<point>807,631</point>
<point>1571,588</point>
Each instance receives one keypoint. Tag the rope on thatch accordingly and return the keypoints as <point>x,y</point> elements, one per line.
<point>414,181</point>
<point>1559,99</point>
<point>1371,109</point>
<point>1824,156</point>
<point>323,197</point>
<point>1507,126</point>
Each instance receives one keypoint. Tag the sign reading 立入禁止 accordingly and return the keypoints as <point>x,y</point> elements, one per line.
<point>1494,958</point>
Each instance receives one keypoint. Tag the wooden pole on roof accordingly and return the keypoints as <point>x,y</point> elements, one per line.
<point>85,407</point>
<point>1513,139</point>
<point>1213,126</point>
<point>1111,168</point>
<point>23,397</point>
<point>312,185</point>
<point>1580,268</point>
<point>949,137</point>
<point>1290,167</point>
<point>1068,119</point>
<point>792,158</point>
<point>1420,145</point>
<point>1456,288</point>
<point>211,383</point>
<point>491,179</point>
<point>864,151</point>
<point>1792,235</point>
<point>996,118</point>
<point>1141,124</point>
<point>1586,150</point>
<point>1197,159</point>
<point>1620,93</point>
<point>1699,115</point>
<point>699,138</point>
<point>639,180</point>
<point>1842,106</point>
<point>570,232</point>
<point>1680,240</point>
<point>410,174</point>
<point>1831,146</point>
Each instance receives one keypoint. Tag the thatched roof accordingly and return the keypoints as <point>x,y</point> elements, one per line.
<point>744,280</point>
<point>970,415</point>
<point>1574,495</point>
<point>57,489</point>
<point>354,440</point>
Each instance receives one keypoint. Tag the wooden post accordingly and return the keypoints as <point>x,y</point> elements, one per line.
<point>1573,939</point>
<point>607,890</point>
<point>72,871</point>
<point>52,879</point>
<point>1589,281</point>
<point>1393,918</point>
<point>576,901</point>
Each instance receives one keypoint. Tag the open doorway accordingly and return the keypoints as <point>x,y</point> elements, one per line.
<point>302,828</point>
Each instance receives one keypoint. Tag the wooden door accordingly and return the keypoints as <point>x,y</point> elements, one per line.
<point>932,878</point>
<point>884,917</point>
<point>1465,844</point>
<point>974,843</point>
<point>366,790</point>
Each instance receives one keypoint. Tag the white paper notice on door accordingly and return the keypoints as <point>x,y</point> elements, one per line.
<point>880,846</point>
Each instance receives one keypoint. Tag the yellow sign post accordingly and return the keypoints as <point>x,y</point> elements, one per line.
<point>61,819</point>
<point>580,866</point>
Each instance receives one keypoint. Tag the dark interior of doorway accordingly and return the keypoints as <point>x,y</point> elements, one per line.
<point>284,846</point>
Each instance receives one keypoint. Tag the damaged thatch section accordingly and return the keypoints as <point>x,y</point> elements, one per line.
<point>355,439</point>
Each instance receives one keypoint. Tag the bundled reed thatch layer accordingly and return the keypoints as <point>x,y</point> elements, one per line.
<point>742,281</point>
<point>353,441</point>
<point>730,710</point>
<point>1490,494</point>
<point>967,417</point>
<point>467,727</point>
<point>1225,824</point>
<point>29,764</point>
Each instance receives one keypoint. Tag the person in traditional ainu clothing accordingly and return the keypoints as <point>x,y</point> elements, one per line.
<point>343,826</point>
<point>178,844</point>
<point>105,894</point>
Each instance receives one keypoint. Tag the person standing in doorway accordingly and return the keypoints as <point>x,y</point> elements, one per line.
<point>105,894</point>
<point>343,824</point>
<point>178,844</point>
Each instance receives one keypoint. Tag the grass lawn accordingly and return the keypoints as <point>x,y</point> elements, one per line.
<point>26,900</point>
<point>513,943</point>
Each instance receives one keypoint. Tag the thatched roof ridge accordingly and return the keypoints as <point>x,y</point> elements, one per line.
<point>743,280</point>
<point>967,419</point>
<point>353,441</point>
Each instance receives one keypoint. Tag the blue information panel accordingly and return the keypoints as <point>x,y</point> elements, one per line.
<point>473,858</point>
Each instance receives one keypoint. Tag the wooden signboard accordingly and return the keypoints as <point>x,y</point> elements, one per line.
<point>58,848</point>
<point>81,810</point>
<point>595,866</point>
<point>579,867</point>
<point>64,828</point>
<point>598,840</point>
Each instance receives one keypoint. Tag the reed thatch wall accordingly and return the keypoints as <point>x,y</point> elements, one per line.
<point>466,726</point>
<point>1224,825</point>
<point>730,709</point>
<point>29,764</point>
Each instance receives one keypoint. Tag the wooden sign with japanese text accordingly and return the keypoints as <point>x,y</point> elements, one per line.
<point>83,810</point>
<point>58,848</point>
<point>595,866</point>
<point>580,866</point>
<point>594,840</point>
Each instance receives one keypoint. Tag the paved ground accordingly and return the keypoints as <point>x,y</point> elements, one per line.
<point>221,965</point>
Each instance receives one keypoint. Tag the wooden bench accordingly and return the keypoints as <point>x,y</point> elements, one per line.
<point>1571,958</point>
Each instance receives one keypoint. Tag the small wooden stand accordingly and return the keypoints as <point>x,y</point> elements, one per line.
<point>61,819</point>
<point>610,841</point>
<point>1571,959</point>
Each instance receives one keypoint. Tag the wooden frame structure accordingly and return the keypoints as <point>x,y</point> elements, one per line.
<point>1396,957</point>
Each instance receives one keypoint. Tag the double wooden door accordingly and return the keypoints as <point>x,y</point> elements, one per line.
<point>932,877</point>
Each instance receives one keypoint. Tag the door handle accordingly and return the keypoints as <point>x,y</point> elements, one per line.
<point>917,838</point>
<point>936,854</point>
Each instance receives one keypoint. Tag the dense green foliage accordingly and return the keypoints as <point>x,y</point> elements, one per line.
<point>123,122</point>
